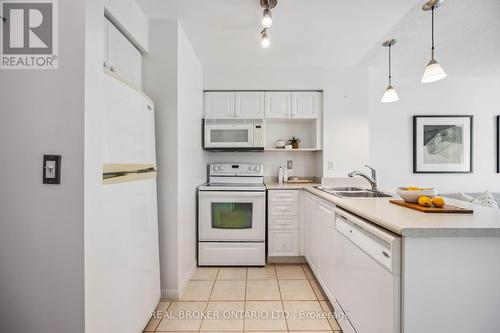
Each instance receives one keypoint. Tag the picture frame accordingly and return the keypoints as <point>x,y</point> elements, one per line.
<point>442,143</point>
<point>498,144</point>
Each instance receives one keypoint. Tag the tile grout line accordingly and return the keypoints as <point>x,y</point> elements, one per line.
<point>319,286</point>
<point>281,299</point>
<point>245,299</point>
<point>209,296</point>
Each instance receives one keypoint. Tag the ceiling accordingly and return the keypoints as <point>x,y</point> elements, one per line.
<point>467,36</point>
<point>312,33</point>
<point>334,33</point>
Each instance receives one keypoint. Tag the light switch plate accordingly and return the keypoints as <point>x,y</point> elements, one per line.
<point>51,169</point>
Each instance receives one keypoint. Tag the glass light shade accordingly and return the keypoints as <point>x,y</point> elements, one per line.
<point>267,19</point>
<point>390,95</point>
<point>265,42</point>
<point>433,72</point>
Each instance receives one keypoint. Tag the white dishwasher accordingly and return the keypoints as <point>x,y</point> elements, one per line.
<point>368,276</point>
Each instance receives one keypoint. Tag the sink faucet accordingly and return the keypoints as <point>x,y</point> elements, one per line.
<point>372,180</point>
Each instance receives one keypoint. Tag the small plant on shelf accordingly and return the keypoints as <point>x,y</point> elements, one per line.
<point>294,142</point>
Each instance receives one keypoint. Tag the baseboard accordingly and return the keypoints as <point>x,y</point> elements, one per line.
<point>287,260</point>
<point>175,294</point>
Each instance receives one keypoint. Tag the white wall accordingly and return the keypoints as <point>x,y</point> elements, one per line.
<point>191,157</point>
<point>391,131</point>
<point>42,226</point>
<point>345,111</point>
<point>173,79</point>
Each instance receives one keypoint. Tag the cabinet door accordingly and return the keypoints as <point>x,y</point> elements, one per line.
<point>249,105</point>
<point>278,104</point>
<point>310,216</point>
<point>325,234</point>
<point>305,104</point>
<point>123,58</point>
<point>219,105</point>
<point>283,243</point>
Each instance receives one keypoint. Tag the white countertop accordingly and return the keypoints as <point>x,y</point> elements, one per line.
<point>484,222</point>
<point>287,186</point>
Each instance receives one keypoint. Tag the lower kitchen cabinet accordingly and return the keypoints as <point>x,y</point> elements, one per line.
<point>319,240</point>
<point>326,236</point>
<point>283,223</point>
<point>283,243</point>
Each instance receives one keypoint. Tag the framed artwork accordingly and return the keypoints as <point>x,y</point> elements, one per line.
<point>498,144</point>
<point>442,144</point>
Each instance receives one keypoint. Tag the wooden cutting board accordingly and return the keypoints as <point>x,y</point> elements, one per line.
<point>444,209</point>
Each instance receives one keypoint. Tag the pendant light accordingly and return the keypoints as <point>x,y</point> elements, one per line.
<point>264,39</point>
<point>433,72</point>
<point>267,21</point>
<point>390,94</point>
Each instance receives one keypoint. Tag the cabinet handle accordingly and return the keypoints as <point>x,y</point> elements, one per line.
<point>386,255</point>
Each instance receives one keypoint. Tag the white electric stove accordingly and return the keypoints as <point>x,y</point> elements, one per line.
<point>231,216</point>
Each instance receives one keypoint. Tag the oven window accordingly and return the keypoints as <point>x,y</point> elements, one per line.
<point>229,136</point>
<point>228,215</point>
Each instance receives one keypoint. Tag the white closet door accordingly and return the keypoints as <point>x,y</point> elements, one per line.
<point>123,58</point>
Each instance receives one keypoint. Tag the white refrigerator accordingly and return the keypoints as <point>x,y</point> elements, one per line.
<point>130,206</point>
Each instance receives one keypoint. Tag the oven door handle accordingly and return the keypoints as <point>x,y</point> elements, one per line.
<point>209,194</point>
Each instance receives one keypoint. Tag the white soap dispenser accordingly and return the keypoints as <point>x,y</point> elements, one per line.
<point>280,175</point>
<point>285,175</point>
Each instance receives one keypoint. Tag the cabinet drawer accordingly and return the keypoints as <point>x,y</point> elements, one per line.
<point>283,222</point>
<point>278,208</point>
<point>283,243</point>
<point>285,196</point>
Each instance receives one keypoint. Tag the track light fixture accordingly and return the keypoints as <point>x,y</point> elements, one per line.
<point>267,21</point>
<point>264,39</point>
<point>390,94</point>
<point>433,71</point>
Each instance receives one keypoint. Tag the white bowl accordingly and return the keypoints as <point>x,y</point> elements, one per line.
<point>412,196</point>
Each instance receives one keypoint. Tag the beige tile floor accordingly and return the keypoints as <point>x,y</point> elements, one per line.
<point>254,299</point>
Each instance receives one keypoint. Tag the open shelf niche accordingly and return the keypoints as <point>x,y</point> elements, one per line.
<point>308,130</point>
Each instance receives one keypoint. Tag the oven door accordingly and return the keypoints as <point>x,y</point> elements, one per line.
<point>231,216</point>
<point>229,136</point>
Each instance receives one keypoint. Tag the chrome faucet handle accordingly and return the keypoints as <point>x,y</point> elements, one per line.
<point>374,172</point>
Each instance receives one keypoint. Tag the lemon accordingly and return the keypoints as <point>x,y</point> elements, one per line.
<point>438,202</point>
<point>413,188</point>
<point>425,201</point>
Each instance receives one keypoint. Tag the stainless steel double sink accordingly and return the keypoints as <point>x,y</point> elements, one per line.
<point>352,192</point>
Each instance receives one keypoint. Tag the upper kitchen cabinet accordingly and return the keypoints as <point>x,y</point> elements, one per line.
<point>300,105</point>
<point>219,105</point>
<point>121,57</point>
<point>249,105</point>
<point>234,105</point>
<point>306,105</point>
<point>278,104</point>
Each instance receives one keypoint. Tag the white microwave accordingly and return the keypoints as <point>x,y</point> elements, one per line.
<point>233,135</point>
